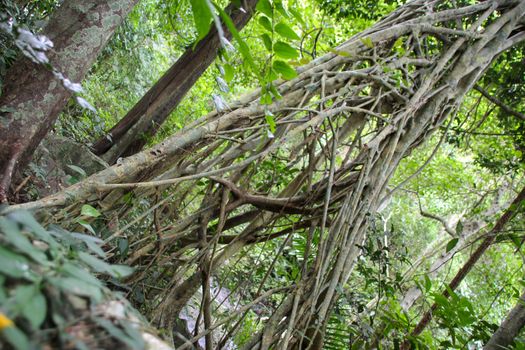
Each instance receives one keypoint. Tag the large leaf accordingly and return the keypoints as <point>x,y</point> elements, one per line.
<point>229,72</point>
<point>264,6</point>
<point>284,30</point>
<point>15,265</point>
<point>35,309</point>
<point>17,239</point>
<point>98,265</point>
<point>16,338</point>
<point>116,332</point>
<point>93,243</point>
<point>267,41</point>
<point>88,210</point>
<point>202,16</point>
<point>80,273</point>
<point>78,287</point>
<point>278,5</point>
<point>284,50</point>
<point>26,219</point>
<point>266,23</point>
<point>95,263</point>
<point>284,69</point>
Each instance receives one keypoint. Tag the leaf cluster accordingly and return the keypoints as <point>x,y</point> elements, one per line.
<point>49,285</point>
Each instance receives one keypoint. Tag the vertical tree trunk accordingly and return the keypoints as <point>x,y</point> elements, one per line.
<point>509,328</point>
<point>79,30</point>
<point>130,134</point>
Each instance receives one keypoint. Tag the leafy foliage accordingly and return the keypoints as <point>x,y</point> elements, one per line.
<point>49,291</point>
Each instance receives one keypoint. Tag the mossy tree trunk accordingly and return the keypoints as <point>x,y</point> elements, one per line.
<point>33,97</point>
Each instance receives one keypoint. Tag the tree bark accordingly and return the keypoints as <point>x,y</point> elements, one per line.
<point>143,121</point>
<point>79,30</point>
<point>509,328</point>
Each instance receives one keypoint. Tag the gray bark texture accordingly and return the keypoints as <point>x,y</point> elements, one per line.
<point>509,328</point>
<point>34,98</point>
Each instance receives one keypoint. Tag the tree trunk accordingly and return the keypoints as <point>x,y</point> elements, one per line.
<point>79,30</point>
<point>509,328</point>
<point>143,121</point>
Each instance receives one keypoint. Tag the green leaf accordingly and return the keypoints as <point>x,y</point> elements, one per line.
<point>451,293</point>
<point>267,41</point>
<point>271,76</point>
<point>21,296</point>
<point>16,338</point>
<point>120,271</point>
<point>35,309</point>
<point>133,332</point>
<point>266,23</point>
<point>117,271</point>
<point>459,228</point>
<point>26,219</point>
<point>123,247</point>
<point>86,225</point>
<point>398,46</point>
<point>367,42</point>
<point>6,109</point>
<point>264,6</point>
<point>298,16</point>
<point>78,287</point>
<point>202,17</point>
<point>17,239</point>
<point>93,243</point>
<point>284,50</point>
<point>270,121</point>
<point>15,265</point>
<point>285,31</point>
<point>266,98</point>
<point>451,244</point>
<point>428,283</point>
<point>284,69</point>
<point>94,262</point>
<point>81,273</point>
<point>441,300</point>
<point>229,72</point>
<point>88,210</point>
<point>339,52</point>
<point>280,7</point>
<point>275,92</point>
